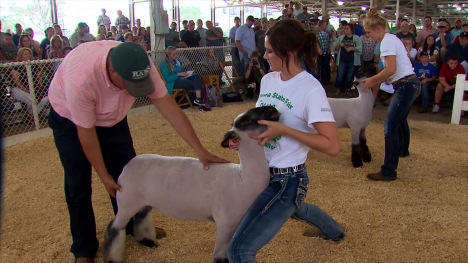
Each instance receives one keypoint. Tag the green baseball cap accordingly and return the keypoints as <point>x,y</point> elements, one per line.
<point>131,62</point>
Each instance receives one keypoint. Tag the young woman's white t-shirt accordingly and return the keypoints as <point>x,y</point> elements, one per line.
<point>392,45</point>
<point>301,102</point>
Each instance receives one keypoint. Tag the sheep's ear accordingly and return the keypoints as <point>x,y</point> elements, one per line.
<point>230,135</point>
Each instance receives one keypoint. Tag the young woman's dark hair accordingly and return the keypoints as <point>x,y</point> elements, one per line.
<point>430,51</point>
<point>288,35</point>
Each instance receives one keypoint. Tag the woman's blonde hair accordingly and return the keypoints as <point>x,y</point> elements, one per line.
<point>20,53</point>
<point>374,19</point>
<point>53,38</point>
<point>168,51</point>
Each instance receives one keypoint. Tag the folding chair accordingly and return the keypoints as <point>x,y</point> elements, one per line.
<point>178,94</point>
<point>234,79</point>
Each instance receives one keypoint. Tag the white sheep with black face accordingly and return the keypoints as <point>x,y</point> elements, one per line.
<point>180,187</point>
<point>356,114</point>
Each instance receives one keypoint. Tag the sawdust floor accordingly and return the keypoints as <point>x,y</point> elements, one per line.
<point>421,217</point>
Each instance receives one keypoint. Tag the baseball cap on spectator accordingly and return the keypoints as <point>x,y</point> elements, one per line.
<point>263,19</point>
<point>124,27</point>
<point>304,8</point>
<point>131,62</point>
<point>318,13</point>
<point>251,18</point>
<point>424,53</point>
<point>442,24</point>
<point>235,18</point>
<point>82,24</point>
<point>464,34</point>
<point>458,19</point>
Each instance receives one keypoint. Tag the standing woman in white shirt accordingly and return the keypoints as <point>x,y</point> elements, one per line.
<point>398,71</point>
<point>304,107</point>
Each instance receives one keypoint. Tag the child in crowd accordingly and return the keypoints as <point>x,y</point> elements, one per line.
<point>447,78</point>
<point>426,73</point>
<point>9,49</point>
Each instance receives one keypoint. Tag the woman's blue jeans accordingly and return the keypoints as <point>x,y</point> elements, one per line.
<point>191,83</point>
<point>425,94</point>
<point>345,75</point>
<point>396,129</point>
<point>284,198</point>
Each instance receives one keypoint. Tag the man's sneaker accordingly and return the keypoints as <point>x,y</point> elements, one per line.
<point>436,109</point>
<point>198,101</point>
<point>203,108</point>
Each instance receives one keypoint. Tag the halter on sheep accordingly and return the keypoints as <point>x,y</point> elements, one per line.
<point>180,187</point>
<point>356,114</point>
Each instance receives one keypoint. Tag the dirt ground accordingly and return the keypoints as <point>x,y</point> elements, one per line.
<point>421,217</point>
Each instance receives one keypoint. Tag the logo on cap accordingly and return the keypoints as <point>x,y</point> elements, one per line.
<point>140,74</point>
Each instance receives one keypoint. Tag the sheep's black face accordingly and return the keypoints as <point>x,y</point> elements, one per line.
<point>366,71</point>
<point>248,121</point>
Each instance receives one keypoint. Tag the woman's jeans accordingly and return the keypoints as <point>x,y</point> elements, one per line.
<point>284,198</point>
<point>345,75</point>
<point>397,132</point>
<point>191,83</point>
<point>425,94</point>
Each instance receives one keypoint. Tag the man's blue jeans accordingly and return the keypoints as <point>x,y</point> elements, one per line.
<point>324,74</point>
<point>397,132</point>
<point>345,75</point>
<point>284,198</point>
<point>425,94</point>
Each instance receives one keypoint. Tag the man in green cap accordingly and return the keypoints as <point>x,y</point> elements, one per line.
<point>90,96</point>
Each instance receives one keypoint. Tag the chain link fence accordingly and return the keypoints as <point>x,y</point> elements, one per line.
<point>24,85</point>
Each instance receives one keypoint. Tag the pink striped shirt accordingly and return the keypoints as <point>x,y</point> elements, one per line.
<point>82,92</point>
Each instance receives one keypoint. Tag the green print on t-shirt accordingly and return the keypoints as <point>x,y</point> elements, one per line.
<point>277,96</point>
<point>275,140</point>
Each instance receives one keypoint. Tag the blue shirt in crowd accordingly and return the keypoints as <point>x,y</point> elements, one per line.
<point>425,72</point>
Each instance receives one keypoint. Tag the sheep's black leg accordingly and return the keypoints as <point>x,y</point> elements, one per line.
<point>144,230</point>
<point>356,152</point>
<point>366,154</point>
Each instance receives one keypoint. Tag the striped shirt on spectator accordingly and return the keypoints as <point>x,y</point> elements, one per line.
<point>324,41</point>
<point>121,21</point>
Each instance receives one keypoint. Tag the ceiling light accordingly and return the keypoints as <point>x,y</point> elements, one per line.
<point>340,2</point>
<point>459,8</point>
<point>382,11</point>
<point>363,7</point>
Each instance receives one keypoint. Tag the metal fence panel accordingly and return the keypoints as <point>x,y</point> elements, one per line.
<point>24,85</point>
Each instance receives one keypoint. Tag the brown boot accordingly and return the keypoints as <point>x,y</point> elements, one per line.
<point>379,177</point>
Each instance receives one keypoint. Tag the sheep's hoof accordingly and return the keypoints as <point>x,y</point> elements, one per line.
<point>221,260</point>
<point>160,233</point>
<point>148,243</point>
<point>357,165</point>
<point>366,158</point>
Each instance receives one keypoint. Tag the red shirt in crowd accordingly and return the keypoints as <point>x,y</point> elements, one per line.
<point>449,74</point>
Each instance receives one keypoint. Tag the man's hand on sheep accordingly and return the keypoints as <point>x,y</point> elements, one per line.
<point>206,157</point>
<point>111,186</point>
<point>274,130</point>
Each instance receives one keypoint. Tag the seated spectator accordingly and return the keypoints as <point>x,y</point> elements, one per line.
<point>100,37</point>
<point>460,49</point>
<point>55,51</point>
<point>447,78</point>
<point>253,74</point>
<point>34,43</point>
<point>58,31</point>
<point>141,34</point>
<point>128,37</point>
<point>9,49</point>
<point>102,30</point>
<point>125,30</point>
<point>87,32</point>
<point>20,91</point>
<point>175,77</point>
<point>465,29</point>
<point>405,32</point>
<point>412,52</point>
<point>443,38</point>
<point>45,43</point>
<point>136,39</point>
<point>431,49</point>
<point>135,30</point>
<point>81,42</point>
<point>25,41</point>
<point>65,51</point>
<point>144,45</point>
<point>2,57</point>
<point>79,35</point>
<point>212,62</point>
<point>18,32</point>
<point>114,32</point>
<point>426,73</point>
<point>109,34</point>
